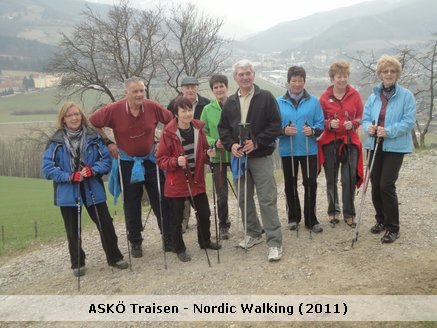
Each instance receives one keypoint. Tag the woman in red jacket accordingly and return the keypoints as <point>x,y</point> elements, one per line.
<point>340,143</point>
<point>182,153</point>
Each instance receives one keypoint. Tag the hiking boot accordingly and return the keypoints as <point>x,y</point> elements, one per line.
<point>137,251</point>
<point>212,245</point>
<point>334,219</point>
<point>377,228</point>
<point>292,225</point>
<point>120,264</point>
<point>250,241</point>
<point>316,228</point>
<point>79,271</point>
<point>350,222</point>
<point>275,254</point>
<point>224,233</point>
<point>184,257</point>
<point>390,236</point>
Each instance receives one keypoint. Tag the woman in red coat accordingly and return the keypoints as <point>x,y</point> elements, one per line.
<point>340,145</point>
<point>183,150</point>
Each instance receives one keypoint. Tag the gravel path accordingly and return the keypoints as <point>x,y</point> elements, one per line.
<point>325,264</point>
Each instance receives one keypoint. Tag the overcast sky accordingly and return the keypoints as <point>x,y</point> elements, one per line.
<point>254,16</point>
<point>244,17</point>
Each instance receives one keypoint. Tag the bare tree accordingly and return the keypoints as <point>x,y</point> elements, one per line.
<point>194,46</point>
<point>419,76</point>
<point>425,94</point>
<point>102,52</point>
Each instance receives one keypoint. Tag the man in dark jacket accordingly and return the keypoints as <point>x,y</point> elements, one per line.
<point>258,107</point>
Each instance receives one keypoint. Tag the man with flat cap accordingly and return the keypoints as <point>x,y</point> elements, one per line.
<point>189,89</point>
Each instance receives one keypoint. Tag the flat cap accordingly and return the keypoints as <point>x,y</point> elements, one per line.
<point>189,80</point>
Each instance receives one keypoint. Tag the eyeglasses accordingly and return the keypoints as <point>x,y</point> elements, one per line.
<point>73,115</point>
<point>391,71</point>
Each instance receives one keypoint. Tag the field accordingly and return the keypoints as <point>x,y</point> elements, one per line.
<point>30,105</point>
<point>28,215</point>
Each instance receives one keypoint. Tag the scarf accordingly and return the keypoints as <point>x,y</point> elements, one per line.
<point>388,92</point>
<point>74,141</point>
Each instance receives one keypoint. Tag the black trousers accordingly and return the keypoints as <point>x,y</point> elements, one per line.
<point>221,188</point>
<point>133,194</point>
<point>103,221</point>
<point>385,172</point>
<point>347,164</point>
<point>203,221</point>
<point>310,187</point>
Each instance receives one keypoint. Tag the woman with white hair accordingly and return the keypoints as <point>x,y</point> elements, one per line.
<point>389,117</point>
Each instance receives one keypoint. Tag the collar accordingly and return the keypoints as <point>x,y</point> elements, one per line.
<point>249,94</point>
<point>127,107</point>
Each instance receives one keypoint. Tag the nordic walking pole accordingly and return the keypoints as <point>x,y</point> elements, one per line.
<point>349,147</point>
<point>292,181</point>
<point>215,209</point>
<point>79,218</point>
<point>158,180</point>
<point>232,188</point>
<point>220,189</point>
<point>238,198</point>
<point>125,223</point>
<point>195,211</point>
<point>245,204</point>
<point>308,178</point>
<point>334,219</point>
<point>99,222</point>
<point>244,135</point>
<point>369,168</point>
<point>147,218</point>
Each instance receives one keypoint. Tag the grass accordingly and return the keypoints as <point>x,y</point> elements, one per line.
<point>29,201</point>
<point>27,204</point>
<point>42,100</point>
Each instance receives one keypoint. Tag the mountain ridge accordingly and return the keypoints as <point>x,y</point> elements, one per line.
<point>396,19</point>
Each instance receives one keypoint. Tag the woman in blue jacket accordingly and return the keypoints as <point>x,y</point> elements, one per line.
<point>75,159</point>
<point>389,117</point>
<point>302,122</point>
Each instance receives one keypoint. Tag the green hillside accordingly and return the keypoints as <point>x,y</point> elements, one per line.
<point>27,209</point>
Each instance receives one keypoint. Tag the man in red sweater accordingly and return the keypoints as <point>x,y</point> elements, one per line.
<point>133,121</point>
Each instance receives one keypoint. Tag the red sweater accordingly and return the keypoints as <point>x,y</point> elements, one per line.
<point>351,103</point>
<point>170,148</point>
<point>135,135</point>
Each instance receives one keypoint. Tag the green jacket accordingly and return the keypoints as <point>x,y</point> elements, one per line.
<point>211,116</point>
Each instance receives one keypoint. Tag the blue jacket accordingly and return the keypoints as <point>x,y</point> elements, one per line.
<point>309,110</point>
<point>399,119</point>
<point>56,166</point>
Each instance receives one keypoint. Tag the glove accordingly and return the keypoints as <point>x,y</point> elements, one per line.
<point>75,176</point>
<point>88,172</point>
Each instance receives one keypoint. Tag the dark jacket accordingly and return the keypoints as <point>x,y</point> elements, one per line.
<point>170,148</point>
<point>56,166</point>
<point>201,102</point>
<point>264,119</point>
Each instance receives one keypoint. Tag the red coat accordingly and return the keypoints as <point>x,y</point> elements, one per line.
<point>170,148</point>
<point>352,104</point>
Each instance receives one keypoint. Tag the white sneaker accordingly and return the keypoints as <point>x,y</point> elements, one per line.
<point>275,253</point>
<point>250,241</point>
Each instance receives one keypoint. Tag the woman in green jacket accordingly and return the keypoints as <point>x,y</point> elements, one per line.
<point>211,116</point>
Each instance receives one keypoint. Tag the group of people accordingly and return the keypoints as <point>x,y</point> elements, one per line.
<point>239,132</point>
